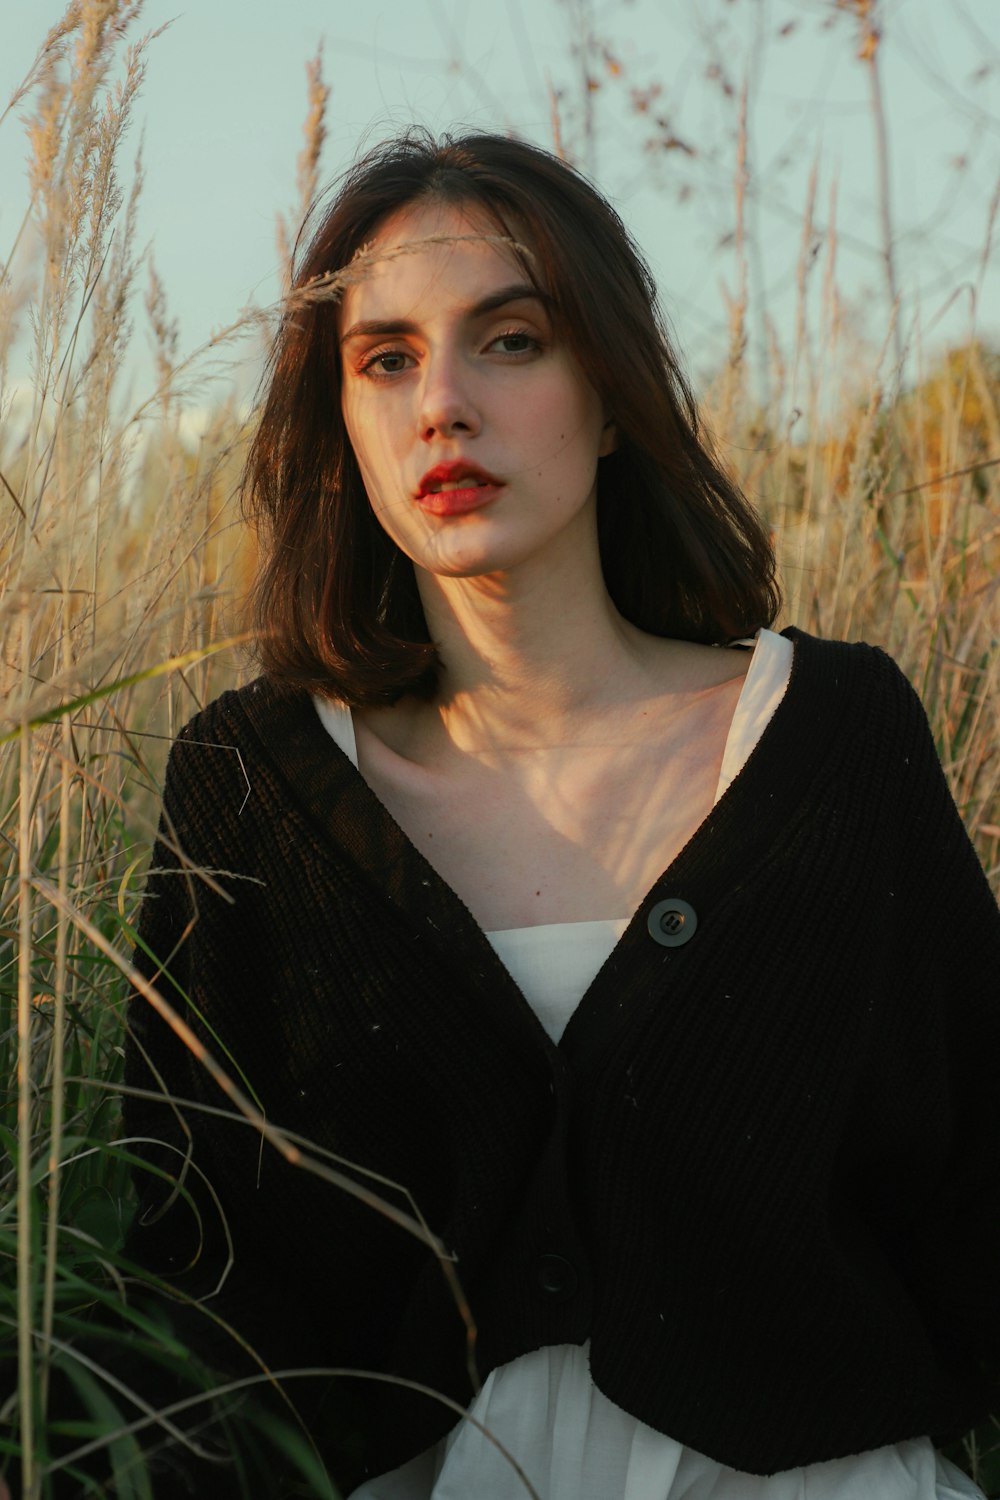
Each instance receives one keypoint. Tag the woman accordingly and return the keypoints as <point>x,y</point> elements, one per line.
<point>658,979</point>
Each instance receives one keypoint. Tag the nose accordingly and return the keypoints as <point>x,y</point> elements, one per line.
<point>447,405</point>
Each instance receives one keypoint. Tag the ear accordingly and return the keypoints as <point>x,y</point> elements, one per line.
<point>609,439</point>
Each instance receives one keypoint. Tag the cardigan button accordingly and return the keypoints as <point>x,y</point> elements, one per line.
<point>556,1277</point>
<point>672,922</point>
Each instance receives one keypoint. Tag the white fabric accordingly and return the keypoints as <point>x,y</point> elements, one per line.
<point>554,964</point>
<point>339,725</point>
<point>575,1444</point>
<point>571,1442</point>
<point>763,689</point>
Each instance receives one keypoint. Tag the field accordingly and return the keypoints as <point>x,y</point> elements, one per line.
<point>122,567</point>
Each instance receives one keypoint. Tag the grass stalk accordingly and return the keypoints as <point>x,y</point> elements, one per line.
<point>57,1052</point>
<point>25,1103</point>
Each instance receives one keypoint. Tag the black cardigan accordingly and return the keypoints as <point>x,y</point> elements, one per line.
<point>760,1171</point>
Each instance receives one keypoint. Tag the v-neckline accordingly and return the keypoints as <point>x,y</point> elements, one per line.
<point>763,685</point>
<point>321,779</point>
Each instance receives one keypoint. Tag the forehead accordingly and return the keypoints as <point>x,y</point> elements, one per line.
<point>430,256</point>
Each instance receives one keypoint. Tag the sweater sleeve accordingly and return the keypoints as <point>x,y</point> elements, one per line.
<point>174,1231</point>
<point>181,1231</point>
<point>200,947</point>
<point>203,1226</point>
<point>949,962</point>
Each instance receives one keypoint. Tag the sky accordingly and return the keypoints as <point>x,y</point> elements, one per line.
<point>221,114</point>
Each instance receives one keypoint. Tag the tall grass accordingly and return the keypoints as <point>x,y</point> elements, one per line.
<point>120,561</point>
<point>886,519</point>
<point>115,550</point>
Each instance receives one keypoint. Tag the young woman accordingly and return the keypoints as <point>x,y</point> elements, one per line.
<point>658,979</point>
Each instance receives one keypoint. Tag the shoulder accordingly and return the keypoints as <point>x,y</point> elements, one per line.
<point>232,739</point>
<point>870,728</point>
<point>250,759</point>
<point>878,777</point>
<point>836,662</point>
<point>852,716</point>
<point>231,715</point>
<point>856,685</point>
<point>262,710</point>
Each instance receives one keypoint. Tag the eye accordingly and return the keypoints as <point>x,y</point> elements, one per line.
<point>383,364</point>
<point>517,341</point>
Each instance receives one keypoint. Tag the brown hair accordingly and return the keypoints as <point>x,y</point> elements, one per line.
<point>335,603</point>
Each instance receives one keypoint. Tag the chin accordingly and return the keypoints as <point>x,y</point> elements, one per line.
<point>457,561</point>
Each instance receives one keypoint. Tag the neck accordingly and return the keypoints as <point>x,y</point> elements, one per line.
<point>530,651</point>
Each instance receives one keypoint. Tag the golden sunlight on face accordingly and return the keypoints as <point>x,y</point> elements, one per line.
<point>476,432</point>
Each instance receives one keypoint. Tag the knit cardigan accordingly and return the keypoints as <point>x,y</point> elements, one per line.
<point>760,1171</point>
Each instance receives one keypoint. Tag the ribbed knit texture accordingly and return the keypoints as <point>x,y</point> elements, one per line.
<point>771,1155</point>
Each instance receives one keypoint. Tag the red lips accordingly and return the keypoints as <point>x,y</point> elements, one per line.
<point>451,474</point>
<point>473,488</point>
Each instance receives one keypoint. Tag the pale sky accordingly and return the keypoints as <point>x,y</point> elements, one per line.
<point>222,108</point>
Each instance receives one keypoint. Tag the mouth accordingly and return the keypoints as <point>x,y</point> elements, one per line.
<point>445,479</point>
<point>455,488</point>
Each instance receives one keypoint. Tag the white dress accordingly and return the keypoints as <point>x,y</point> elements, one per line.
<point>570,1441</point>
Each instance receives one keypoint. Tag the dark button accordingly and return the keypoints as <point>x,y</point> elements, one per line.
<point>672,922</point>
<point>556,1277</point>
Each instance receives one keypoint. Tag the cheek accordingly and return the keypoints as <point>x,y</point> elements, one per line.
<point>380,477</point>
<point>354,416</point>
<point>570,415</point>
<point>379,495</point>
<point>569,435</point>
<point>366,444</point>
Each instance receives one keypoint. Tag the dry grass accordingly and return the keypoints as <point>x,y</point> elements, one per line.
<point>121,559</point>
<point>884,501</point>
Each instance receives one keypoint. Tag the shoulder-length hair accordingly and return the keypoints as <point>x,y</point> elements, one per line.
<point>335,605</point>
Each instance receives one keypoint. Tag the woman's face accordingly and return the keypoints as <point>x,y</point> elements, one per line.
<point>476,432</point>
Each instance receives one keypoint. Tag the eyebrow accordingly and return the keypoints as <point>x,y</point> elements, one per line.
<point>519,291</point>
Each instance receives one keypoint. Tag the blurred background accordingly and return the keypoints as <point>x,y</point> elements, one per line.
<point>879,123</point>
